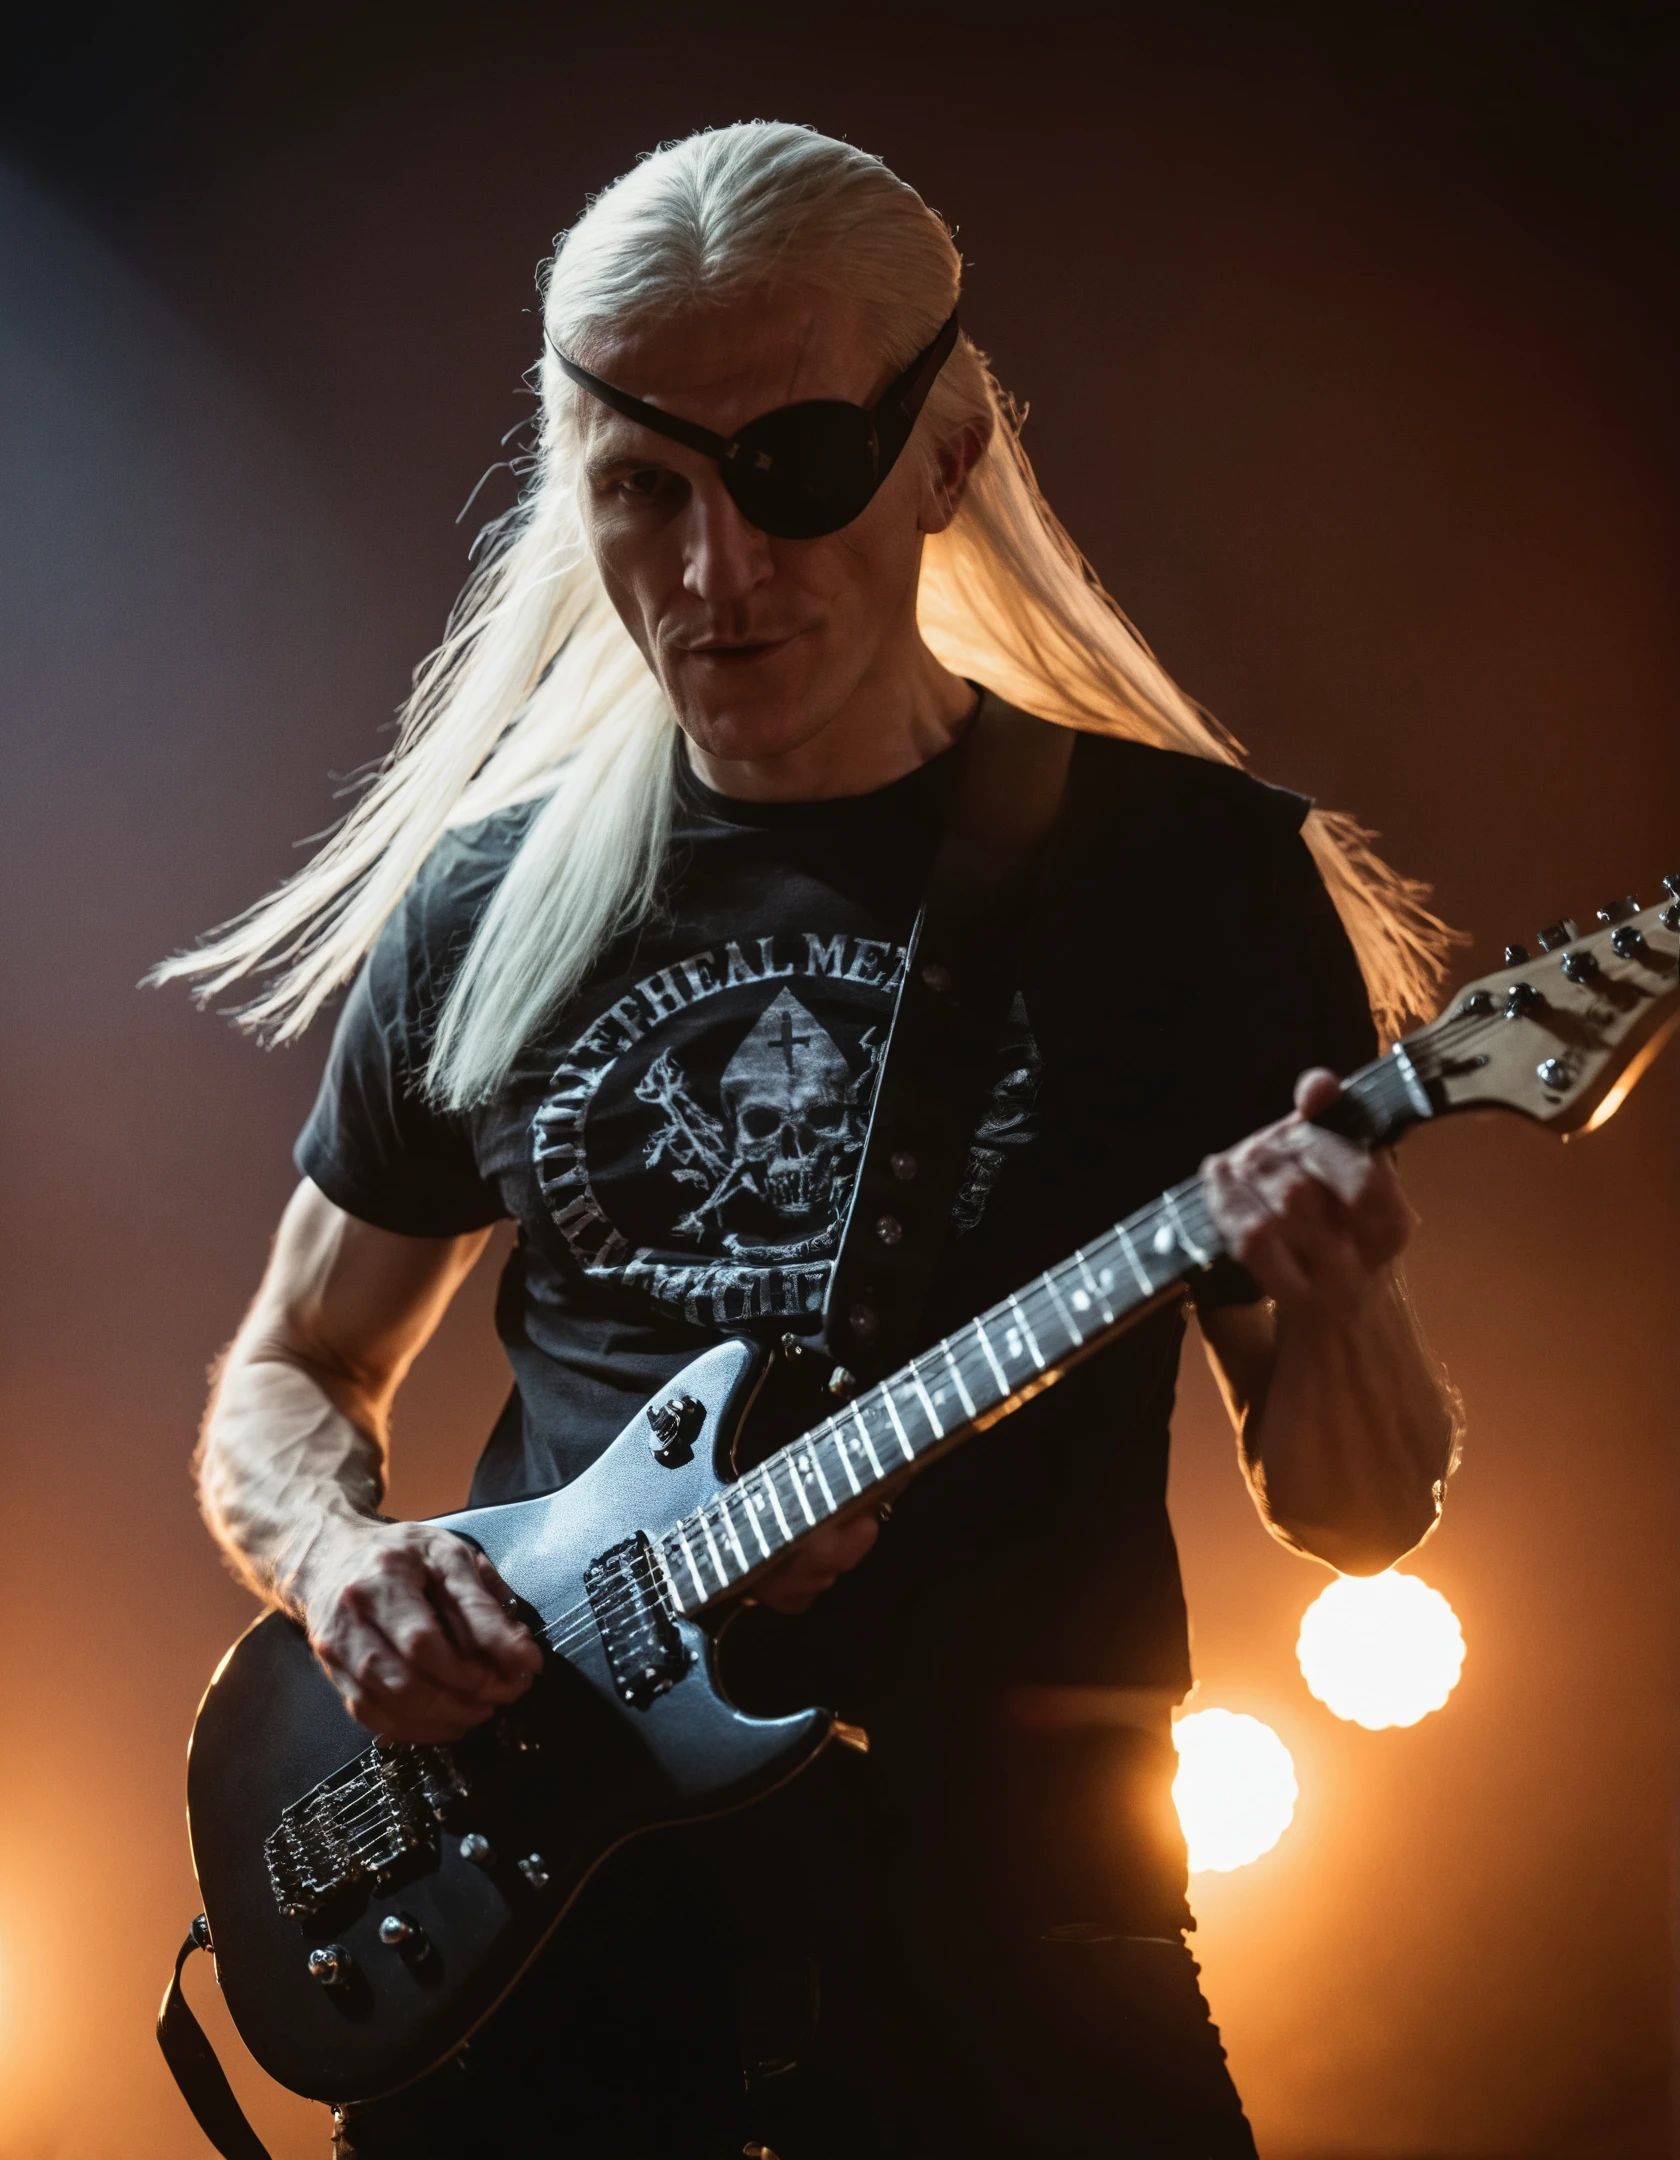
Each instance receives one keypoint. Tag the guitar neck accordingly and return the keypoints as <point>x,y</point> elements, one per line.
<point>985,1370</point>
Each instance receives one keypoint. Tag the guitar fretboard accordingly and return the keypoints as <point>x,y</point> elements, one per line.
<point>980,1373</point>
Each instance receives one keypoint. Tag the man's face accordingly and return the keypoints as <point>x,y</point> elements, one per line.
<point>758,642</point>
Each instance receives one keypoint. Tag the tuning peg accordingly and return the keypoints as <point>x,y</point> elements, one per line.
<point>1577,966</point>
<point>1515,955</point>
<point>1556,934</point>
<point>1619,910</point>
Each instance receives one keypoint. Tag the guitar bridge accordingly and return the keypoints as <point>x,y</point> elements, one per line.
<point>362,1822</point>
<point>633,1613</point>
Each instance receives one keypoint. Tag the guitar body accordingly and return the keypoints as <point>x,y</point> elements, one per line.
<point>566,1777</point>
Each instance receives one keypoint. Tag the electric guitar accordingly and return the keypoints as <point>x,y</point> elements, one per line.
<point>369,1905</point>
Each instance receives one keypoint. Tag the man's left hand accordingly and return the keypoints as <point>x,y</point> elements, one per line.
<point>1315,1220</point>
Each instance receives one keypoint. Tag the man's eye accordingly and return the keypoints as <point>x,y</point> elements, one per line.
<point>644,486</point>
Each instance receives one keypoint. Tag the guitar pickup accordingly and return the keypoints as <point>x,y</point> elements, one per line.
<point>627,1596</point>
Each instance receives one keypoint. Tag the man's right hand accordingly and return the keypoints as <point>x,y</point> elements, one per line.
<point>408,1622</point>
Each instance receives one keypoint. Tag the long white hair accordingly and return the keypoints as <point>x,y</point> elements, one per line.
<point>538,691</point>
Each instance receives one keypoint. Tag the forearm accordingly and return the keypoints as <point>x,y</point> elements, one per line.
<point>1349,1433</point>
<point>286,1460</point>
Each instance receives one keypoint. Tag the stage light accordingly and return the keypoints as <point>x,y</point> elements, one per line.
<point>1380,1649</point>
<point>1235,1789</point>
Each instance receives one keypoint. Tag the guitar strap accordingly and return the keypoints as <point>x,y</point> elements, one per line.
<point>960,980</point>
<point>193,2065</point>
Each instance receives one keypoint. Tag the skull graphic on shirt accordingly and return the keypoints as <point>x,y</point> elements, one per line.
<point>794,1125</point>
<point>786,1092</point>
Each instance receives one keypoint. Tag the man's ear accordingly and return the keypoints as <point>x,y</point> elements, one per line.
<point>954,460</point>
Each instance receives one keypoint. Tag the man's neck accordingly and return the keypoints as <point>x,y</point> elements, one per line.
<point>897,720</point>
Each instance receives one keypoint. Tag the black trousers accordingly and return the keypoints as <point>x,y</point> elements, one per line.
<point>812,1981</point>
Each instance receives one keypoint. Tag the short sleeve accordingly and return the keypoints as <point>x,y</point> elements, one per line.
<point>373,1143</point>
<point>1304,1003</point>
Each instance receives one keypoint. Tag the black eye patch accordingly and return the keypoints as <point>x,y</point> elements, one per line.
<point>803,470</point>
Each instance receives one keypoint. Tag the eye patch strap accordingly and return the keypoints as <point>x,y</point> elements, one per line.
<point>894,412</point>
<point>688,432</point>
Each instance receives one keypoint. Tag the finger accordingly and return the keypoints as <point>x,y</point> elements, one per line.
<point>1306,1212</point>
<point>1316,1090</point>
<point>473,1596</point>
<point>828,1553</point>
<point>384,1694</point>
<point>395,1597</point>
<point>1238,1214</point>
<point>838,1547</point>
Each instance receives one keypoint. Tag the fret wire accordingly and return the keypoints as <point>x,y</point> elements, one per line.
<point>778,1465</point>
<point>961,1385</point>
<point>1140,1274</point>
<point>899,1433</point>
<point>1109,1259</point>
<point>931,1414</point>
<point>711,1547</point>
<point>746,1500</point>
<point>970,1360</point>
<point>769,1479</point>
<point>867,1438</point>
<point>938,1389</point>
<point>1092,1290</point>
<point>845,1459</point>
<point>792,1461</point>
<point>1026,1326</point>
<point>688,1555</point>
<point>1066,1318</point>
<point>1041,1317</point>
<point>998,1373</point>
<point>739,1550</point>
<point>829,1500</point>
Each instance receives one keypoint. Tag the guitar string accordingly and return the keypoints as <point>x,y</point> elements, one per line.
<point>574,1628</point>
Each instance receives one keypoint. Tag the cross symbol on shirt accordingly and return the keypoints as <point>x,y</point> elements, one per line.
<point>787,1042</point>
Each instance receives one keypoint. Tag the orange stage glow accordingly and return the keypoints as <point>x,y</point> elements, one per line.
<point>1380,1650</point>
<point>1235,1790</point>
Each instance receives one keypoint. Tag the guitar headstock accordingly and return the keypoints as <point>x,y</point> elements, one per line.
<point>1561,1036</point>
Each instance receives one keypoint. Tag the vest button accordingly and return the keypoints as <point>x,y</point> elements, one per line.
<point>889,1229</point>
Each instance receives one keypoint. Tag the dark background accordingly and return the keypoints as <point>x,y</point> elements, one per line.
<point>1350,339</point>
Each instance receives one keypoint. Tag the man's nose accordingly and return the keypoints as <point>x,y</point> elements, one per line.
<point>725,558</point>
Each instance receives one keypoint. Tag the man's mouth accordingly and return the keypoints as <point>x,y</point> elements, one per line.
<point>735,652</point>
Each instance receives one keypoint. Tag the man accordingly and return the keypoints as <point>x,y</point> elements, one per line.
<point>974,1945</point>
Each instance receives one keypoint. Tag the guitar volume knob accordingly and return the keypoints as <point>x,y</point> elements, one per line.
<point>477,1848</point>
<point>675,1426</point>
<point>331,1965</point>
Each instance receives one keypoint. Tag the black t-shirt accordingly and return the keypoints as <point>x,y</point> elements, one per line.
<point>677,1152</point>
